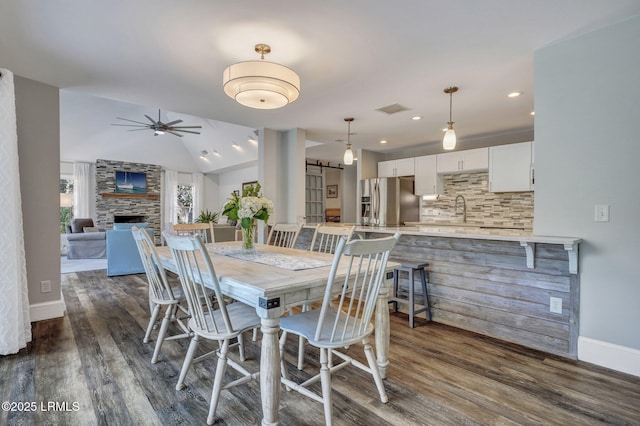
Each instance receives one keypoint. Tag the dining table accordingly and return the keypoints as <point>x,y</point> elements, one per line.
<point>273,279</point>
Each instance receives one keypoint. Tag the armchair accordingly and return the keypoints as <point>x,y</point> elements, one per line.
<point>89,244</point>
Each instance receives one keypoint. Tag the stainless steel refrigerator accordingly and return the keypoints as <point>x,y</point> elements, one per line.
<point>388,202</point>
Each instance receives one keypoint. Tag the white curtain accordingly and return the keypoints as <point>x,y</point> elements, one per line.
<point>170,198</point>
<point>15,326</point>
<point>198,193</point>
<point>82,190</point>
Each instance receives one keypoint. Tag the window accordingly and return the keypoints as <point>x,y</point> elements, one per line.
<point>66,203</point>
<point>185,204</point>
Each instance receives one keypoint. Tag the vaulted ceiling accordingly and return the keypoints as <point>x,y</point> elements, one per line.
<point>353,57</point>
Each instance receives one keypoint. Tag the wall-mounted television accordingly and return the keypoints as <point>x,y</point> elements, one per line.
<point>131,183</point>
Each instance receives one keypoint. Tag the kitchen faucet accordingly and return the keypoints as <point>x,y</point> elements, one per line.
<point>464,208</point>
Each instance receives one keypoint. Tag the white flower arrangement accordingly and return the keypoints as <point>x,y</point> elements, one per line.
<point>249,207</point>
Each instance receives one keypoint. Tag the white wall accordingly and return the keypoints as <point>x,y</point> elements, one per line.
<point>587,103</point>
<point>232,181</point>
<point>38,121</point>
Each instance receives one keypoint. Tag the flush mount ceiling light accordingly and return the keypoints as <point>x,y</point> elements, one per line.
<point>261,84</point>
<point>449,141</point>
<point>348,153</point>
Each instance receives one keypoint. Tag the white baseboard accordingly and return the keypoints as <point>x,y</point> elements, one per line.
<point>47,310</point>
<point>609,355</point>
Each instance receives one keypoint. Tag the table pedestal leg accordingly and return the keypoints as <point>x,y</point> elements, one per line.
<point>382,329</point>
<point>270,371</point>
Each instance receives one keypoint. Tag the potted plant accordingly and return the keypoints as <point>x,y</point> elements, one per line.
<point>207,216</point>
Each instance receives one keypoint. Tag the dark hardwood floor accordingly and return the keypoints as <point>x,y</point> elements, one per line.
<point>93,365</point>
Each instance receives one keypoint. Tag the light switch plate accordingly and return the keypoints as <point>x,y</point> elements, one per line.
<point>555,305</point>
<point>602,213</point>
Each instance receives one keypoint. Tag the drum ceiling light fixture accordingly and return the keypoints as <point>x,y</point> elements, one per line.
<point>261,84</point>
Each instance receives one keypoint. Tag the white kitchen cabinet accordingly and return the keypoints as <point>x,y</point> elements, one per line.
<point>393,168</point>
<point>469,160</point>
<point>511,167</point>
<point>426,175</point>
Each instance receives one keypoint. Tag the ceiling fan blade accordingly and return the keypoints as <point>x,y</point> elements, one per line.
<point>135,130</point>
<point>173,133</point>
<point>187,127</point>
<point>187,131</point>
<point>151,119</point>
<point>144,126</point>
<point>133,121</point>
<point>173,122</point>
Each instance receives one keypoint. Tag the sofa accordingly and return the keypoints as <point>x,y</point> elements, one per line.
<point>122,252</point>
<point>85,241</point>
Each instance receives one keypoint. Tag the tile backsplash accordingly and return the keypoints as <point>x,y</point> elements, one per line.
<point>484,208</point>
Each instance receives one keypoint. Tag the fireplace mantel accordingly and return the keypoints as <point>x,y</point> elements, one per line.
<point>123,195</point>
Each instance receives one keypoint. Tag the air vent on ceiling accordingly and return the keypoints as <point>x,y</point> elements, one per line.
<point>392,109</point>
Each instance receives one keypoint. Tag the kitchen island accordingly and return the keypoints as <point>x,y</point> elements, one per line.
<point>496,282</point>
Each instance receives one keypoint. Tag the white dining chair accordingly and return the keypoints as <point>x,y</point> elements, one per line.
<point>284,234</point>
<point>325,240</point>
<point>326,237</point>
<point>200,229</point>
<point>349,322</point>
<point>161,294</point>
<point>222,323</point>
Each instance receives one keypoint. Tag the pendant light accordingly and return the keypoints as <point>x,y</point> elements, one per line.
<point>348,153</point>
<point>261,84</point>
<point>449,141</point>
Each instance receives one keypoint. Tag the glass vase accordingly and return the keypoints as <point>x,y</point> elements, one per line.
<point>248,243</point>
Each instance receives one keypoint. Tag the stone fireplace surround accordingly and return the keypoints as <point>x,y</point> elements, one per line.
<point>110,207</point>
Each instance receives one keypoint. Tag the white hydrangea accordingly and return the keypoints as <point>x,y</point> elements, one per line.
<point>249,206</point>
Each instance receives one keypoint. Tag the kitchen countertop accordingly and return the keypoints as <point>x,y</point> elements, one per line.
<point>526,238</point>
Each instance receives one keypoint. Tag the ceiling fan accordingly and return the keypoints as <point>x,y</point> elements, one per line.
<point>158,127</point>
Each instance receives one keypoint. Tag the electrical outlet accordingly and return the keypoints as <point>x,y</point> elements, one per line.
<point>45,286</point>
<point>555,305</point>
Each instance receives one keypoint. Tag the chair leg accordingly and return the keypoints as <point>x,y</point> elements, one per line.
<point>368,351</point>
<point>217,381</point>
<point>300,352</point>
<point>188,359</point>
<point>152,321</point>
<point>325,381</point>
<point>241,347</point>
<point>423,280</point>
<point>412,304</point>
<point>283,368</point>
<point>162,333</point>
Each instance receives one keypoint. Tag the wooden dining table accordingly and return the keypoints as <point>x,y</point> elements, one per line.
<point>273,280</point>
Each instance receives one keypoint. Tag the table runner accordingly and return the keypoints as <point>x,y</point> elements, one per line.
<point>279,260</point>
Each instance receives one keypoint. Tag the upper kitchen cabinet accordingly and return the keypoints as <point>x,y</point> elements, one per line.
<point>511,167</point>
<point>470,160</point>
<point>393,168</point>
<point>426,175</point>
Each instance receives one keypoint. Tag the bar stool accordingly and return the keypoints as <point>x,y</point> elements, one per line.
<point>411,268</point>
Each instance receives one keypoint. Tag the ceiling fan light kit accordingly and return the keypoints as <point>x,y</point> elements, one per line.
<point>261,84</point>
<point>159,128</point>
<point>449,141</point>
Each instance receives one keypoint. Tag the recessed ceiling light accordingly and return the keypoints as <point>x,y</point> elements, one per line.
<point>416,117</point>
<point>235,145</point>
<point>252,140</point>
<point>533,113</point>
<point>383,141</point>
<point>514,94</point>
<point>216,153</point>
<point>204,153</point>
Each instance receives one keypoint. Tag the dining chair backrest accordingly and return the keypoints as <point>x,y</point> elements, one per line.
<point>184,229</point>
<point>366,263</point>
<point>326,237</point>
<point>196,273</point>
<point>284,235</point>
<point>159,287</point>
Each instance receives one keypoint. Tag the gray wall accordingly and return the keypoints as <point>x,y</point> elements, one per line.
<point>38,119</point>
<point>587,149</point>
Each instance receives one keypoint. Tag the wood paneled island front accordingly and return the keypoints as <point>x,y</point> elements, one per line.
<point>497,282</point>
